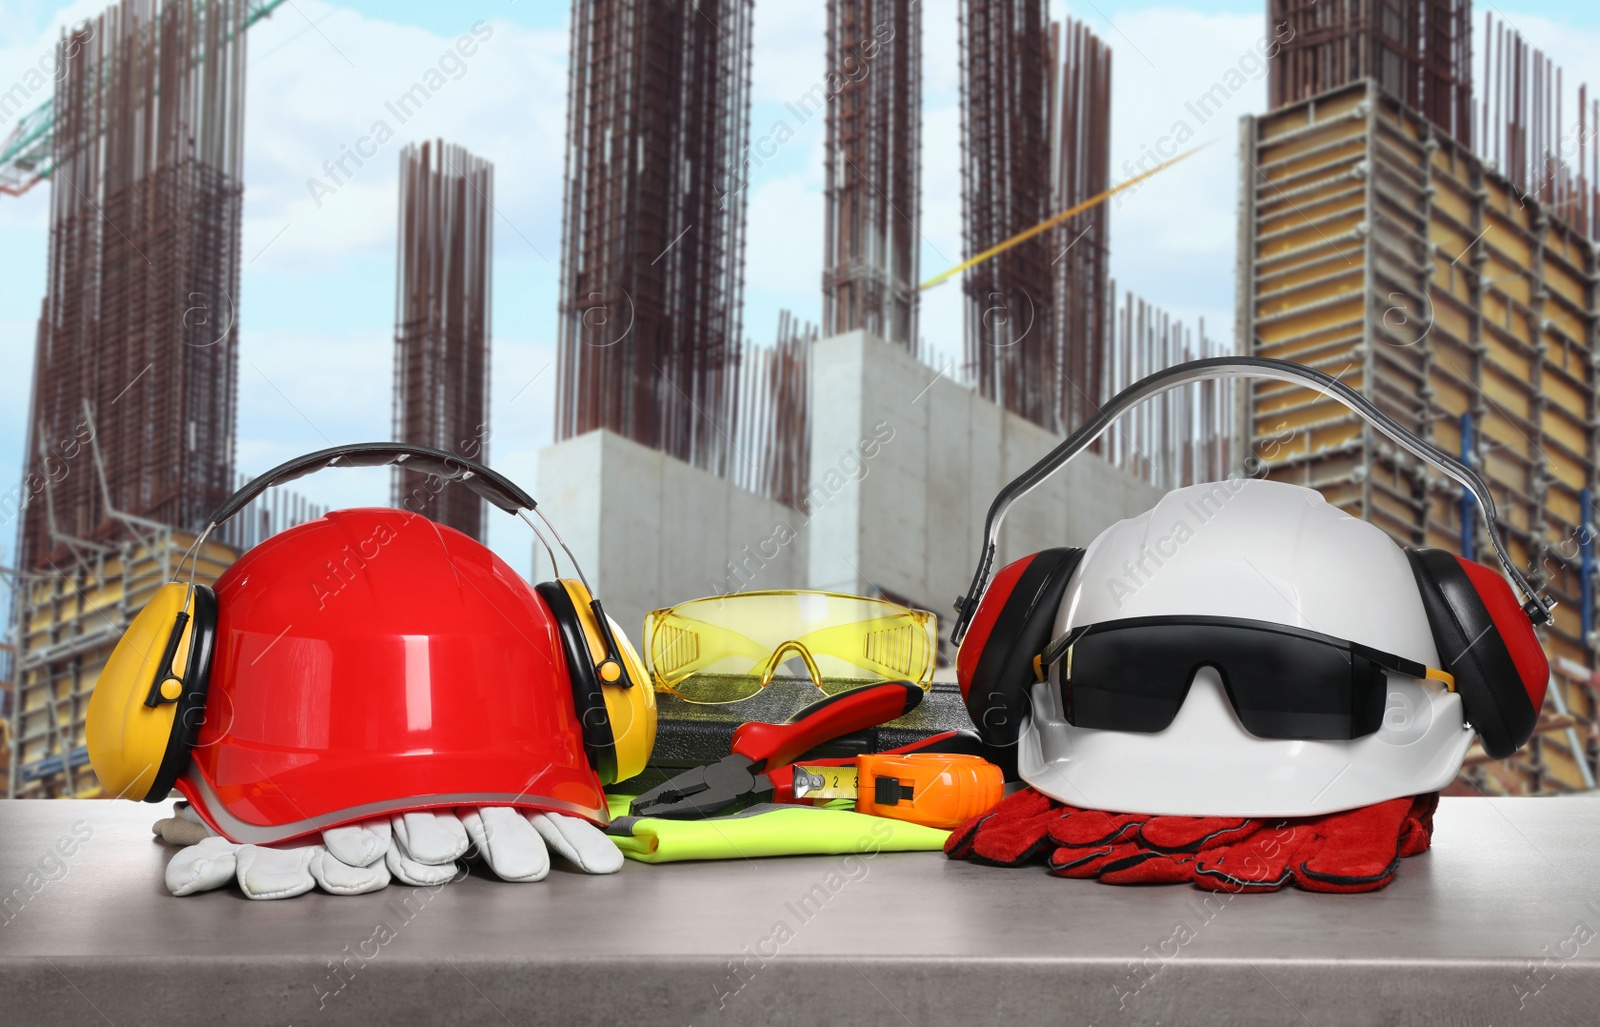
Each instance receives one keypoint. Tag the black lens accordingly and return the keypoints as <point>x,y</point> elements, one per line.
<point>1128,676</point>
<point>1134,676</point>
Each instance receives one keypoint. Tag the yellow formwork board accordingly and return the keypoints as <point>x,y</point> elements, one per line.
<point>1503,200</point>
<point>1283,169</point>
<point>1561,281</point>
<point>1451,395</point>
<point>1301,407</point>
<point>1278,123</point>
<point>1285,328</point>
<point>1320,347</point>
<point>1331,436</point>
<point>1330,114</point>
<point>1567,383</point>
<point>1308,201</point>
<point>1312,200</point>
<point>1459,208</point>
<point>1450,284</point>
<point>1505,470</point>
<point>1508,279</point>
<point>1452,242</point>
<point>1279,300</point>
<point>1335,270</point>
<point>1496,310</point>
<point>1508,358</point>
<point>1507,394</point>
<point>1446,166</point>
<point>1318,237</point>
<point>1447,434</point>
<point>1565,469</point>
<point>1567,325</point>
<point>1566,425</point>
<point>1505,238</point>
<point>1558,763</point>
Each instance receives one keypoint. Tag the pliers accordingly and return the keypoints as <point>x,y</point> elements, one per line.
<point>740,776</point>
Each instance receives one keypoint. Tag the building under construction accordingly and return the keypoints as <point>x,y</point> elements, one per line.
<point>873,169</point>
<point>1461,299</point>
<point>1418,51</point>
<point>441,341</point>
<point>1080,121</point>
<point>137,339</point>
<point>1006,189</point>
<point>1036,133</point>
<point>654,222</point>
<point>131,425</point>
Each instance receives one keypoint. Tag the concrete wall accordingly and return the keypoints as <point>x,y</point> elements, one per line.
<point>651,530</point>
<point>904,465</point>
<point>938,454</point>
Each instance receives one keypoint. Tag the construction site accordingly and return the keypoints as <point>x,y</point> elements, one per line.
<point>1409,221</point>
<point>1442,265</point>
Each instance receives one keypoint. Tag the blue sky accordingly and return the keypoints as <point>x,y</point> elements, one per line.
<point>316,308</point>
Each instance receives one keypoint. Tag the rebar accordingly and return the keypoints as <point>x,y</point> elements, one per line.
<point>137,337</point>
<point>441,340</point>
<point>1420,51</point>
<point>654,223</point>
<point>873,168</point>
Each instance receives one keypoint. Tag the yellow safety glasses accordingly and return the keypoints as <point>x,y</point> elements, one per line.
<point>725,648</point>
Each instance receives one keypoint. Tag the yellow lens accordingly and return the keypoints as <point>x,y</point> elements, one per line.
<point>726,648</point>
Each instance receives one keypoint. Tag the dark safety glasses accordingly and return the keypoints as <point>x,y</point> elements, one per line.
<point>1283,682</point>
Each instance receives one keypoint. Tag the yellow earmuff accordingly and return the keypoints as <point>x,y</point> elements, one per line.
<point>146,705</point>
<point>630,701</point>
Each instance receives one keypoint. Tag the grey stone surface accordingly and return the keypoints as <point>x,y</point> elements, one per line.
<point>1507,902</point>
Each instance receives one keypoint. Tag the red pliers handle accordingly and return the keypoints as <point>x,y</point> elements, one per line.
<point>702,791</point>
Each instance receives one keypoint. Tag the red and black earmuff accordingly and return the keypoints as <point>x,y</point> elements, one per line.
<point>144,718</point>
<point>1484,635</point>
<point>994,665</point>
<point>1487,641</point>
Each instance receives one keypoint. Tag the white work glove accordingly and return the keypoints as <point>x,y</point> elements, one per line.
<point>349,861</point>
<point>421,849</point>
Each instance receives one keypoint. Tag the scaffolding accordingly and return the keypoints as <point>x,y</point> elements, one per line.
<point>1419,51</point>
<point>137,337</point>
<point>873,169</point>
<point>1379,249</point>
<point>654,223</point>
<point>441,341</point>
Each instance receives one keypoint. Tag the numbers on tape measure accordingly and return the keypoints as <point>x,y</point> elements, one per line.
<point>824,782</point>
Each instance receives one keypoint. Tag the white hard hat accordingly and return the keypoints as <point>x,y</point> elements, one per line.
<point>1275,554</point>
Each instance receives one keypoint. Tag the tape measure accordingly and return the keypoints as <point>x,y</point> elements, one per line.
<point>940,790</point>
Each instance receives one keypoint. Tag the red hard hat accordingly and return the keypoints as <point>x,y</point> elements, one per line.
<point>373,662</point>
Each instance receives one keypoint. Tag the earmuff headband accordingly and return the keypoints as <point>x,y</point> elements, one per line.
<point>1537,607</point>
<point>491,485</point>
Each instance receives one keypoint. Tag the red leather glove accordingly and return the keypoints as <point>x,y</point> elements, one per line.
<point>1156,850</point>
<point>1356,850</point>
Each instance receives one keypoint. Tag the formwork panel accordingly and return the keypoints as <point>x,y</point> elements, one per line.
<point>1466,311</point>
<point>68,621</point>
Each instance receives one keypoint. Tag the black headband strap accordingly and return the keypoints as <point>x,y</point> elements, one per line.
<point>1536,606</point>
<point>491,485</point>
